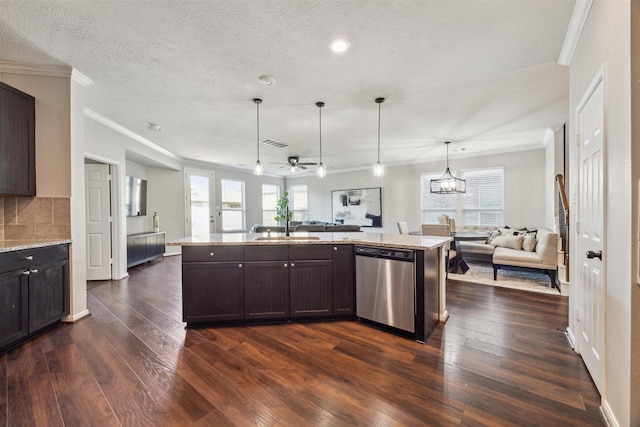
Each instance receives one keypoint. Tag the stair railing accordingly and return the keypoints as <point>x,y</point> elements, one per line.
<point>563,219</point>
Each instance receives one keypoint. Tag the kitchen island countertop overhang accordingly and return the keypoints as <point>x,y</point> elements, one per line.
<point>396,241</point>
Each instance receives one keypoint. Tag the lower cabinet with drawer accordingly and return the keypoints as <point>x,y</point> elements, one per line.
<point>246,283</point>
<point>34,291</point>
<point>212,283</point>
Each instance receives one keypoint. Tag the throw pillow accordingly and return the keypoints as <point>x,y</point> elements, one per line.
<point>511,242</point>
<point>492,235</point>
<point>529,243</point>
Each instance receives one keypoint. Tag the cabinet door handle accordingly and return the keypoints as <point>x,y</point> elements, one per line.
<point>335,248</point>
<point>29,257</point>
<point>239,265</point>
<point>286,265</point>
<point>293,265</point>
<point>34,271</point>
<point>211,254</point>
<point>26,273</point>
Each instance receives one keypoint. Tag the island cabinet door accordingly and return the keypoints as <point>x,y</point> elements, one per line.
<point>266,290</point>
<point>311,288</point>
<point>344,283</point>
<point>212,291</point>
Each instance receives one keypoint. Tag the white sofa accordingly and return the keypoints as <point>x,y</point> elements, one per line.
<point>506,249</point>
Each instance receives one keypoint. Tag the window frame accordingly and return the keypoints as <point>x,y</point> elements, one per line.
<point>241,209</point>
<point>429,215</point>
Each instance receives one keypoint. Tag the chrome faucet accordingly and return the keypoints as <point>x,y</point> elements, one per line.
<point>286,221</point>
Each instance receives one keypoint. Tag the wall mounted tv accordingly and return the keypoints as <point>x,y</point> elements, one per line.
<point>135,196</point>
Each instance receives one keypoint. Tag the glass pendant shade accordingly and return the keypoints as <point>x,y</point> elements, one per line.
<point>378,169</point>
<point>321,171</point>
<point>258,169</point>
<point>447,183</point>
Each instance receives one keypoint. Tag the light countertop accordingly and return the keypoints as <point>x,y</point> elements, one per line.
<point>18,245</point>
<point>397,241</point>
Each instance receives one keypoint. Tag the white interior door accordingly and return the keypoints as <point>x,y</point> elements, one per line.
<point>591,284</point>
<point>98,213</point>
<point>199,186</point>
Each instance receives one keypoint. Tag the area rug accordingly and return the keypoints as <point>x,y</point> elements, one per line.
<point>482,273</point>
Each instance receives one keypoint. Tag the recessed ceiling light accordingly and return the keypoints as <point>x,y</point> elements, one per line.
<point>339,45</point>
<point>267,80</point>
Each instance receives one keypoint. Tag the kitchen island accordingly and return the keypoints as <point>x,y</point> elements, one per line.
<point>243,278</point>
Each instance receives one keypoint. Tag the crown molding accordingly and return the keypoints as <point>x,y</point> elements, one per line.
<point>80,78</point>
<point>129,133</point>
<point>576,24</point>
<point>35,69</point>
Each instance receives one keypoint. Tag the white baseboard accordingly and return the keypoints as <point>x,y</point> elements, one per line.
<point>572,339</point>
<point>72,318</point>
<point>564,288</point>
<point>444,317</point>
<point>607,414</point>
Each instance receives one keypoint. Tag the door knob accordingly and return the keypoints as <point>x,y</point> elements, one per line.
<point>592,255</point>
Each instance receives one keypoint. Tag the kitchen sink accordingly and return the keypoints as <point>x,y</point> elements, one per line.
<point>280,238</point>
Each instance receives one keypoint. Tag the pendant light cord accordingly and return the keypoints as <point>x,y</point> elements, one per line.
<point>379,106</point>
<point>258,127</point>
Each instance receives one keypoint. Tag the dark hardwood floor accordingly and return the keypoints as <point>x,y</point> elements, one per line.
<point>501,359</point>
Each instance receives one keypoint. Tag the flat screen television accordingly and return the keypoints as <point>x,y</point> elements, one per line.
<point>135,196</point>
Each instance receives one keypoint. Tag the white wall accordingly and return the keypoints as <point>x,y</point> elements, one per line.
<point>605,42</point>
<point>524,188</point>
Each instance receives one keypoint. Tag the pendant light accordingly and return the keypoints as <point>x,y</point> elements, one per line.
<point>447,183</point>
<point>321,171</point>
<point>378,168</point>
<point>257,170</point>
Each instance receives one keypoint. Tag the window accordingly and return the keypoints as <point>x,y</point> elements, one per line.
<point>232,205</point>
<point>434,205</point>
<point>482,204</point>
<point>270,196</point>
<point>298,202</point>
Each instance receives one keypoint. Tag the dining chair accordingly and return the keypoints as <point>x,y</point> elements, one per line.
<point>441,230</point>
<point>403,228</point>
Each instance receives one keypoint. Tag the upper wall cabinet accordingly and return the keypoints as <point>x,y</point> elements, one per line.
<point>17,142</point>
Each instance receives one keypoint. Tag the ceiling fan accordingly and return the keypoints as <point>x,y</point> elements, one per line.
<point>294,163</point>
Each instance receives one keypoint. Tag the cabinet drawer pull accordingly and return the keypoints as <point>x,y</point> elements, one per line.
<point>335,248</point>
<point>26,273</point>
<point>34,271</point>
<point>29,257</point>
<point>293,265</point>
<point>211,254</point>
<point>286,265</point>
<point>239,265</point>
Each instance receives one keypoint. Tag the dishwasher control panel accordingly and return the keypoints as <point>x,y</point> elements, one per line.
<point>387,253</point>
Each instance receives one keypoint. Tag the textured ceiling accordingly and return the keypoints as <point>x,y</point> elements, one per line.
<point>481,73</point>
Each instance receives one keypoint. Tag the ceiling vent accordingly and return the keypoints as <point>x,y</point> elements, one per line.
<point>273,143</point>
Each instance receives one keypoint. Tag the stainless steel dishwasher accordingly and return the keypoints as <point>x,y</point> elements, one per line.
<point>386,286</point>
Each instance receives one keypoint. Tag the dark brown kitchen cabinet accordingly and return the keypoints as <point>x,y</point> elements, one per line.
<point>34,291</point>
<point>14,307</point>
<point>344,283</point>
<point>310,280</point>
<point>266,282</point>
<point>17,143</point>
<point>212,283</point>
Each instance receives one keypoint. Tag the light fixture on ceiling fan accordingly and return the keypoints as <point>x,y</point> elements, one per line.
<point>257,170</point>
<point>378,168</point>
<point>321,171</point>
<point>447,183</point>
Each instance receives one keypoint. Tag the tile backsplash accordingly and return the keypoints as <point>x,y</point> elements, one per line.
<point>29,218</point>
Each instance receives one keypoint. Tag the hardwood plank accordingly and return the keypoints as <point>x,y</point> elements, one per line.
<point>32,400</point>
<point>502,359</point>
